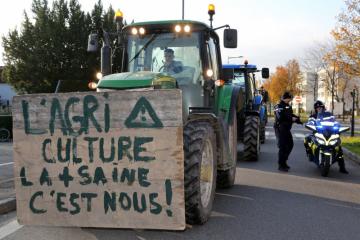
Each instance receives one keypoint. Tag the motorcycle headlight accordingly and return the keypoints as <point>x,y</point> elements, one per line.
<point>333,142</point>
<point>320,141</point>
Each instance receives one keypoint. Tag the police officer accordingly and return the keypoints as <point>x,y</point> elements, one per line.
<point>319,108</point>
<point>284,118</point>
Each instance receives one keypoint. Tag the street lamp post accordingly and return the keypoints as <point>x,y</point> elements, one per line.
<point>353,94</point>
<point>233,57</point>
<point>183,9</point>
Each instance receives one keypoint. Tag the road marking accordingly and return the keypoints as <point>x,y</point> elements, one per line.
<point>9,228</point>
<point>5,164</point>
<point>235,196</point>
<point>299,135</point>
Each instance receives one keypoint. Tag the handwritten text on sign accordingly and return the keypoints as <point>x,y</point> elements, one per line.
<point>100,159</point>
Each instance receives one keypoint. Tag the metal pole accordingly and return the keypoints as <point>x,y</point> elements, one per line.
<point>58,86</point>
<point>183,10</point>
<point>270,108</point>
<point>353,114</point>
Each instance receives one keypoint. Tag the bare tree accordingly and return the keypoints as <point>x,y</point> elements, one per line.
<point>322,59</point>
<point>312,63</point>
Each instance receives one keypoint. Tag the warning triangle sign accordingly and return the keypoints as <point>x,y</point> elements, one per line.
<point>143,116</point>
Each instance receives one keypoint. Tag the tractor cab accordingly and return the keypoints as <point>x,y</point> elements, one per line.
<point>251,102</point>
<point>167,54</point>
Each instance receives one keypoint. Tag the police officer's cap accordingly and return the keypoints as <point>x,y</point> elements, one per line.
<point>318,103</point>
<point>286,95</point>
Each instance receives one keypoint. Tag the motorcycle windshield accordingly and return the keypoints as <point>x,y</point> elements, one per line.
<point>326,117</point>
<point>327,126</point>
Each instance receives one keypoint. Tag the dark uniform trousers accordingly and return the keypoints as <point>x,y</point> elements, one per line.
<point>285,144</point>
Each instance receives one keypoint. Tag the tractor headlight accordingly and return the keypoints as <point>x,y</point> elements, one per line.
<point>142,31</point>
<point>134,31</point>
<point>209,73</point>
<point>177,28</point>
<point>99,75</point>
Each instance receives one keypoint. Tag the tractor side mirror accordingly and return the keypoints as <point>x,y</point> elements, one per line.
<point>228,74</point>
<point>92,42</point>
<point>265,73</point>
<point>230,38</point>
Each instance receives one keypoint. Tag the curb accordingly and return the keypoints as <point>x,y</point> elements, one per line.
<point>7,205</point>
<point>351,156</point>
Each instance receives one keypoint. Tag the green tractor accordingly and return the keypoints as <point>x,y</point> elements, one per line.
<point>251,107</point>
<point>209,103</point>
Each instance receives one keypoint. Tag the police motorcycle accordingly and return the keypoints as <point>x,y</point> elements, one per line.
<point>323,146</point>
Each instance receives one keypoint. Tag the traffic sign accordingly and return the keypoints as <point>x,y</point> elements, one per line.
<point>298,99</point>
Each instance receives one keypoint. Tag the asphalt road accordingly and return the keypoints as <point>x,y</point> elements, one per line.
<point>264,204</point>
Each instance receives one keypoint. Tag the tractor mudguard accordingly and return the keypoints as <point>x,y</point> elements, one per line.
<point>262,113</point>
<point>233,103</point>
<point>258,99</point>
<point>257,102</point>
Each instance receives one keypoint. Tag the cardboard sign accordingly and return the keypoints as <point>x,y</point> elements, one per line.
<point>110,159</point>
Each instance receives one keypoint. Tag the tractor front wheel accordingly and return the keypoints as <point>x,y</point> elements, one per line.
<point>251,138</point>
<point>200,171</point>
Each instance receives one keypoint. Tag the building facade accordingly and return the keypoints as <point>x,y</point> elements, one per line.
<point>316,86</point>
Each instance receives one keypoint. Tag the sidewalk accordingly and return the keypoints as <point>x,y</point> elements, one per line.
<point>7,191</point>
<point>351,156</point>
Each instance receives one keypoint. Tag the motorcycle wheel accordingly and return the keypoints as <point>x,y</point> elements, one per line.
<point>325,166</point>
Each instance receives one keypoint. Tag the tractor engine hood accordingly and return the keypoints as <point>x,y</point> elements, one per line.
<point>133,80</point>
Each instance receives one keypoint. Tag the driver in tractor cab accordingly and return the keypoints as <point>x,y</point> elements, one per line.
<point>170,65</point>
<point>319,109</point>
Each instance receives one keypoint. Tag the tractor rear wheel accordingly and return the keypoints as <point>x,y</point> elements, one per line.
<point>226,179</point>
<point>200,171</point>
<point>252,138</point>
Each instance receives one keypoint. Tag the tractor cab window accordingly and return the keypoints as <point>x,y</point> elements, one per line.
<point>213,58</point>
<point>167,53</point>
<point>239,78</point>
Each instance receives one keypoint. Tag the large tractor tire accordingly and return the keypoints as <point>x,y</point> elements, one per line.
<point>226,179</point>
<point>200,171</point>
<point>262,133</point>
<point>252,138</point>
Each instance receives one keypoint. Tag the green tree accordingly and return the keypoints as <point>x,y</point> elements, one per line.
<point>52,47</point>
<point>347,37</point>
<point>285,78</point>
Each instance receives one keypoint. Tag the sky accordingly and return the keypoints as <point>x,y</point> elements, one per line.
<point>270,32</point>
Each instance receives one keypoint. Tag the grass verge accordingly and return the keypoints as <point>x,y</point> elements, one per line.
<point>352,143</point>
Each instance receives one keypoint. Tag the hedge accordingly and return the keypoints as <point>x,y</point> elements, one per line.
<point>6,122</point>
